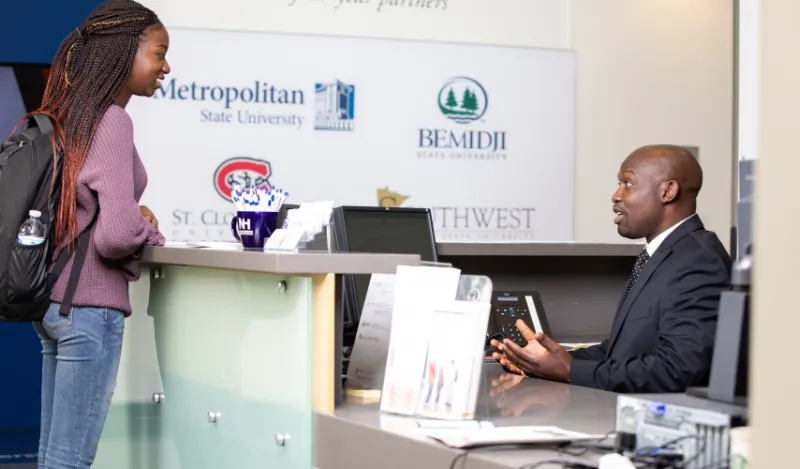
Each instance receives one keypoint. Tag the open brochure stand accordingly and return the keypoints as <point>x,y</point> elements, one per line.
<point>421,340</point>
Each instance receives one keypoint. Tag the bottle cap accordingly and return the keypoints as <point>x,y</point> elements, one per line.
<point>35,214</point>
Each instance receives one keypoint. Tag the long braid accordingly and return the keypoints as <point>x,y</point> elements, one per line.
<point>89,70</point>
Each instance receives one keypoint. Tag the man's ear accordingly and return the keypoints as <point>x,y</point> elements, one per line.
<point>669,191</point>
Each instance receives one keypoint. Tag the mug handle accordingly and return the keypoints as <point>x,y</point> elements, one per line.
<point>233,228</point>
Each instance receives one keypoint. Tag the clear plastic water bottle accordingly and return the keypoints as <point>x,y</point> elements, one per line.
<point>31,233</point>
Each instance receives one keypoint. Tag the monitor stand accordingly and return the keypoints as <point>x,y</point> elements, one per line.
<point>729,365</point>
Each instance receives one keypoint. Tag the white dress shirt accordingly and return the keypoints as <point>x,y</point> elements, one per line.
<point>656,242</point>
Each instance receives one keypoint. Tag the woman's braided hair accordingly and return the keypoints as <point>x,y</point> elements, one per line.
<point>88,72</point>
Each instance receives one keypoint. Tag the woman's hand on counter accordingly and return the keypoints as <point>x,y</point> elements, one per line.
<point>148,215</point>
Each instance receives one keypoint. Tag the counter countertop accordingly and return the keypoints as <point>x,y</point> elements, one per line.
<point>359,435</point>
<point>278,262</point>
<point>539,249</point>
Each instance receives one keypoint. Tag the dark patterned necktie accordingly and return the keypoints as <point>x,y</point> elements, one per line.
<point>637,269</point>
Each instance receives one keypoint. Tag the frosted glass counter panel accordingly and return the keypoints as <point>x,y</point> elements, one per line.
<point>234,355</point>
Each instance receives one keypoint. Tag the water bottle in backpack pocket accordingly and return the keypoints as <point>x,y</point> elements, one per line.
<point>32,232</point>
<point>28,263</point>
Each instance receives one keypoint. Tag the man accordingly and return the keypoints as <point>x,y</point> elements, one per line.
<point>662,336</point>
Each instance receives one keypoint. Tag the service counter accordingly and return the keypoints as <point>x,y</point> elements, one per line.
<point>231,358</point>
<point>580,283</point>
<point>226,356</point>
<point>360,436</point>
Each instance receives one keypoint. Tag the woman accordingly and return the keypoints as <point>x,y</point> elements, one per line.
<point>117,53</point>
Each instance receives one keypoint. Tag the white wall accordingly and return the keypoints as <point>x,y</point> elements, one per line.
<point>749,13</point>
<point>655,71</point>
<point>774,377</point>
<point>541,23</point>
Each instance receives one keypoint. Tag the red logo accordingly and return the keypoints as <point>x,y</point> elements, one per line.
<point>248,172</point>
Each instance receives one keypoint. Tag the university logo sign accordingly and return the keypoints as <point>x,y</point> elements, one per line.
<point>247,172</point>
<point>472,223</point>
<point>335,106</point>
<point>256,102</point>
<point>387,198</point>
<point>463,100</point>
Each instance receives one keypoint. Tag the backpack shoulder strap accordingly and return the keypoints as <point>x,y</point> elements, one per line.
<point>43,122</point>
<point>75,272</point>
<point>80,249</point>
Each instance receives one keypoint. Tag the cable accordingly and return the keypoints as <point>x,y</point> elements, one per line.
<point>565,464</point>
<point>653,456</point>
<point>643,458</point>
<point>464,453</point>
<point>698,452</point>
<point>487,346</point>
<point>584,446</point>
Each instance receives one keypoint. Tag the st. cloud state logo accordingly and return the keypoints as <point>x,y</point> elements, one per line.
<point>247,172</point>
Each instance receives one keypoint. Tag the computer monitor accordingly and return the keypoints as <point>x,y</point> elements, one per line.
<point>388,230</point>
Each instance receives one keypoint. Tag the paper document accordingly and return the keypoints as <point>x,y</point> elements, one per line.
<point>228,246</point>
<point>483,436</point>
<point>178,244</point>
<point>417,291</point>
<point>452,373</point>
<point>371,347</point>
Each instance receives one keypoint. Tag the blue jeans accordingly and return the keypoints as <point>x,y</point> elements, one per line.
<point>81,354</point>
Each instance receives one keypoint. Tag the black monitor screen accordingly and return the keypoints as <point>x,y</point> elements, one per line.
<point>393,231</point>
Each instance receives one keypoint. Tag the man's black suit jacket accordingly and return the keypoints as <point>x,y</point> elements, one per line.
<point>662,337</point>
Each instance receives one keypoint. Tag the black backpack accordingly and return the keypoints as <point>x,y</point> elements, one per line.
<point>27,167</point>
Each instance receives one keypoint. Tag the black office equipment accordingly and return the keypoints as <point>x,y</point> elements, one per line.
<point>388,230</point>
<point>729,365</point>
<point>508,307</point>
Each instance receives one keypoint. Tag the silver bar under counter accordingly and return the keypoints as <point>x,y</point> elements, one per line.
<point>278,262</point>
<point>359,435</point>
<point>539,249</point>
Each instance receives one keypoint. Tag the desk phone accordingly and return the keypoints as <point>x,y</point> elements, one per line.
<point>508,307</point>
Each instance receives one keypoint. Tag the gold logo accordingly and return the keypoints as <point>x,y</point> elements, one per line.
<point>387,198</point>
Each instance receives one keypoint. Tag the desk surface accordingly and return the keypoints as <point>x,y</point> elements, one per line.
<point>278,262</point>
<point>359,435</point>
<point>540,249</point>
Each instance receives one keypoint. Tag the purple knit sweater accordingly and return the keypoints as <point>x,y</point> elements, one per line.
<point>112,181</point>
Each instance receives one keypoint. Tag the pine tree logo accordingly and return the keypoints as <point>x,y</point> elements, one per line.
<point>463,100</point>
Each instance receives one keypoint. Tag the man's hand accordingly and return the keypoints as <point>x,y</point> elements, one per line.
<point>149,216</point>
<point>542,357</point>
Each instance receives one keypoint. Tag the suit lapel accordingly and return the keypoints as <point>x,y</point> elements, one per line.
<point>663,251</point>
<point>647,271</point>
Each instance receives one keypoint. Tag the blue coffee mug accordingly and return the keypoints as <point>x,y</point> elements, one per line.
<point>253,229</point>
